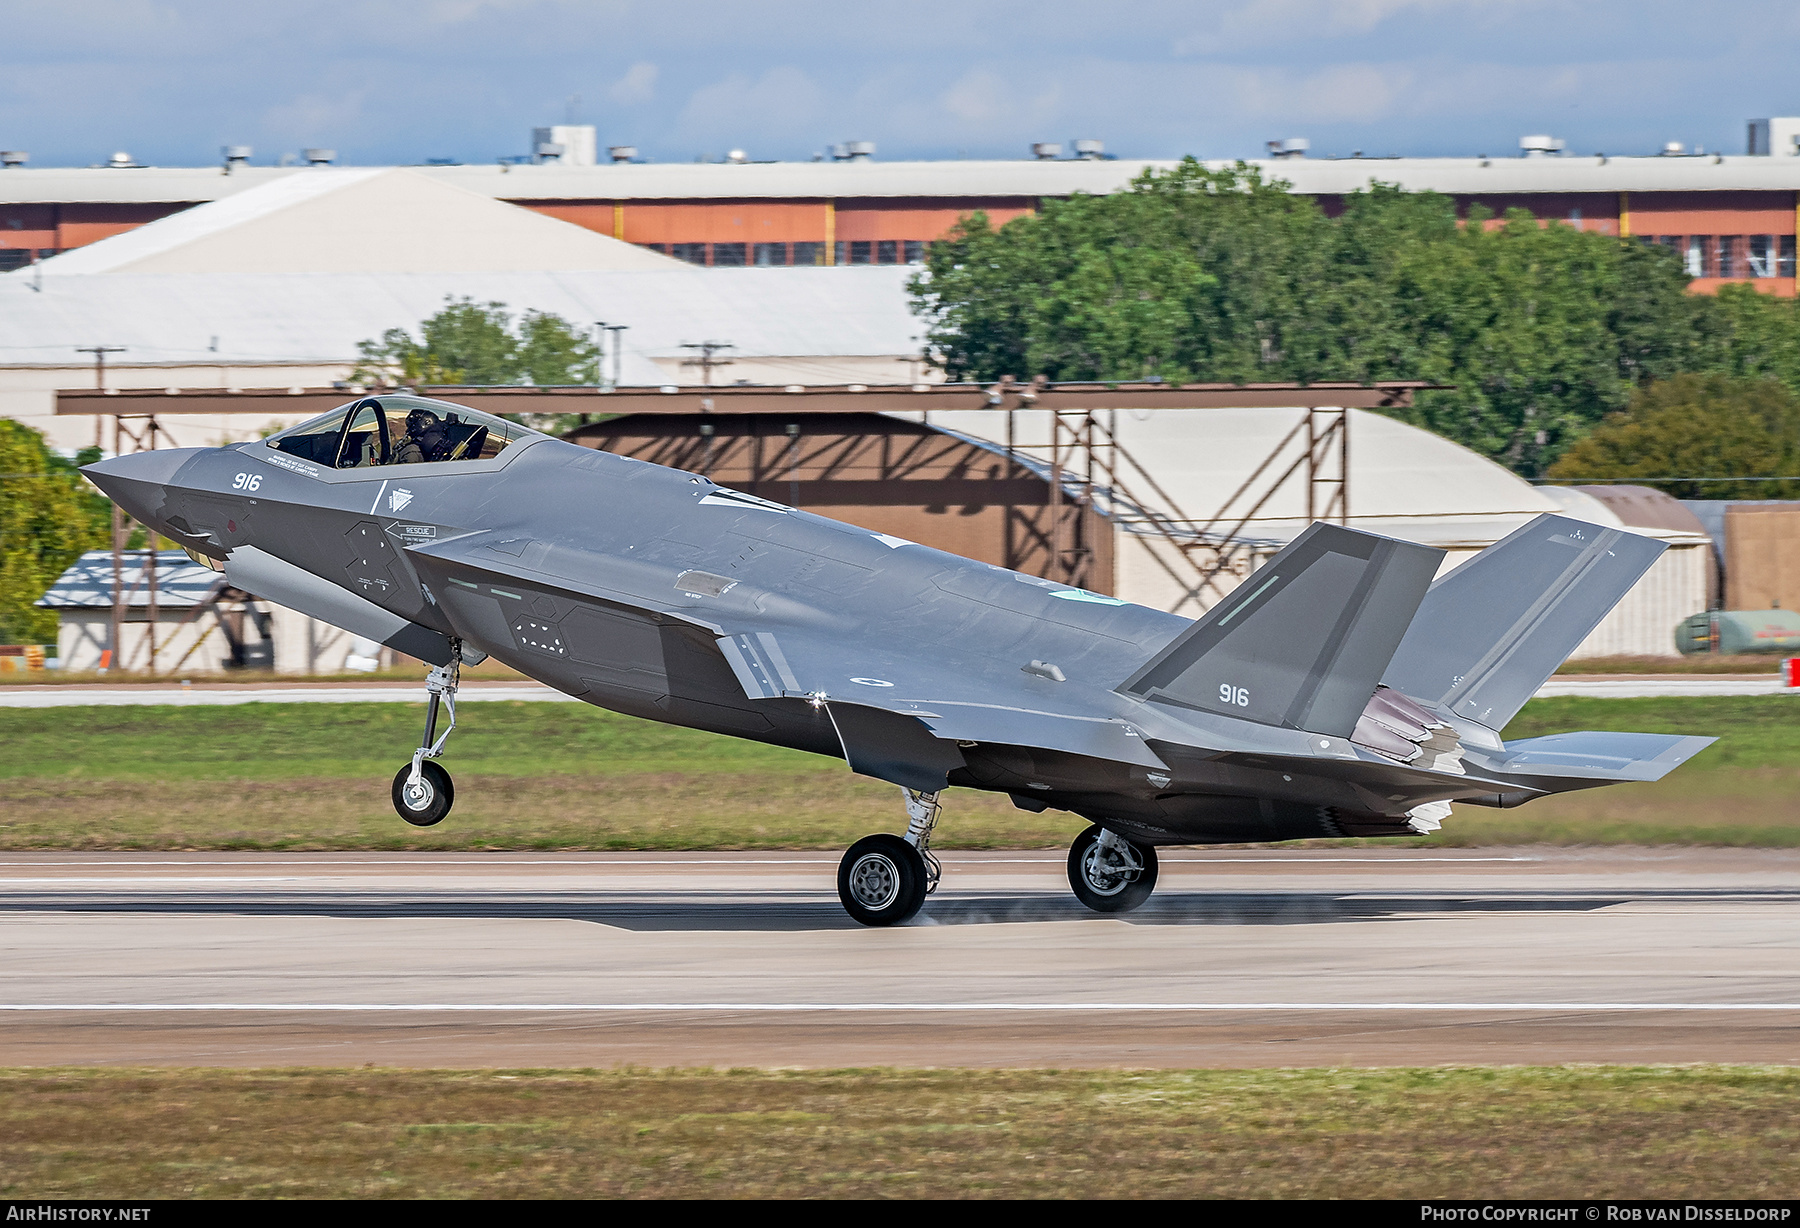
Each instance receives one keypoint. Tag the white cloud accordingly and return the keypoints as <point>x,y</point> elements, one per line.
<point>636,86</point>
<point>1264,21</point>
<point>783,104</point>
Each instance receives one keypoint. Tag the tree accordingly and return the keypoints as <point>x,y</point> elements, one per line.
<point>477,343</point>
<point>48,517</point>
<point>1691,427</point>
<point>1218,275</point>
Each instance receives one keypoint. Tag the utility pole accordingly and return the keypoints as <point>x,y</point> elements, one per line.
<point>618,349</point>
<point>99,352</point>
<point>600,356</point>
<point>706,362</point>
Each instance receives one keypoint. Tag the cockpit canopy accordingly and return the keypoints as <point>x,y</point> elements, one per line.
<point>399,429</point>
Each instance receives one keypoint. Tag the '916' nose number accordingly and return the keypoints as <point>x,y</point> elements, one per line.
<point>1236,696</point>
<point>246,481</point>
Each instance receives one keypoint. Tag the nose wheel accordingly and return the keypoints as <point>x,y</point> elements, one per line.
<point>425,801</point>
<point>423,792</point>
<point>1109,873</point>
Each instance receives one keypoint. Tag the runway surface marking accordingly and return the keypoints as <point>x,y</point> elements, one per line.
<point>875,1007</point>
<point>426,859</point>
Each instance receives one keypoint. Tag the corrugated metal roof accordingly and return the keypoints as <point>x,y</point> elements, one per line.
<point>171,318</point>
<point>181,583</point>
<point>839,180</point>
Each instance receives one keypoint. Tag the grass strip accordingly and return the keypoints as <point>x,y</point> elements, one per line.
<point>1508,1132</point>
<point>569,776</point>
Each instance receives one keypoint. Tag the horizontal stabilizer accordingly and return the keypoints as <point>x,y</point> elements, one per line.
<point>1595,755</point>
<point>1488,634</point>
<point>1303,641</point>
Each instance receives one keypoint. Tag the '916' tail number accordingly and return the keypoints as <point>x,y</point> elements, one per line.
<point>1236,696</point>
<point>246,481</point>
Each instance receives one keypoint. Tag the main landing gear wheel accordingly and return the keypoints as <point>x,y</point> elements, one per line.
<point>429,800</point>
<point>882,880</point>
<point>1110,873</point>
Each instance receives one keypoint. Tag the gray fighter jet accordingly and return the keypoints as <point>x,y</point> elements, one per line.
<point>1338,691</point>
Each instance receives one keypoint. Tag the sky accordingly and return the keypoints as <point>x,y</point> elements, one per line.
<point>403,81</point>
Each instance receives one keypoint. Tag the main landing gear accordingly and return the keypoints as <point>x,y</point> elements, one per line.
<point>1109,873</point>
<point>423,792</point>
<point>883,879</point>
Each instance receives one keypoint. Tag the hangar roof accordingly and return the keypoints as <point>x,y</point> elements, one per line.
<point>1405,482</point>
<point>181,583</point>
<point>343,221</point>
<point>838,180</point>
<point>260,318</point>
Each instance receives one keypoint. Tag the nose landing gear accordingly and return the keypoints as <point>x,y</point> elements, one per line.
<point>423,792</point>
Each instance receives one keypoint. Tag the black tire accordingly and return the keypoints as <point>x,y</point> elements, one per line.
<point>433,799</point>
<point>1103,885</point>
<point>881,880</point>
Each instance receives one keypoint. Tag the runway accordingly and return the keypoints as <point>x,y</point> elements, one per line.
<point>1243,958</point>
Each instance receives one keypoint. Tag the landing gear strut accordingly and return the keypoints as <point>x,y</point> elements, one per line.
<point>1110,873</point>
<point>423,791</point>
<point>883,880</point>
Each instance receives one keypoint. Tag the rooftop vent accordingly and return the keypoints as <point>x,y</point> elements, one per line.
<point>546,151</point>
<point>1043,151</point>
<point>14,157</point>
<point>622,153</point>
<point>121,160</point>
<point>235,155</point>
<point>1673,149</point>
<point>1540,146</point>
<point>853,151</point>
<point>737,157</point>
<point>1090,151</point>
<point>1293,147</point>
<point>320,157</point>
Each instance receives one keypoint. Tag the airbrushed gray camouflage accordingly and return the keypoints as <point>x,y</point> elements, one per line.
<point>1337,692</point>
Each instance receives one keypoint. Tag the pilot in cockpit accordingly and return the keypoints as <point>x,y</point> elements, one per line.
<point>425,439</point>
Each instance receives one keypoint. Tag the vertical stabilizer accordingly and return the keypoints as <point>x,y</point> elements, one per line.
<point>1302,642</point>
<point>1488,634</point>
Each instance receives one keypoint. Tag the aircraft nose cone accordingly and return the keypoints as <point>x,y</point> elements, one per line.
<point>139,482</point>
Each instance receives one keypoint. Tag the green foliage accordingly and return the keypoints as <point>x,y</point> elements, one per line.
<point>478,343</point>
<point>48,517</point>
<point>1217,275</point>
<point>1697,426</point>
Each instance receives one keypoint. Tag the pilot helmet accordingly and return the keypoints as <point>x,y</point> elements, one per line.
<point>419,421</point>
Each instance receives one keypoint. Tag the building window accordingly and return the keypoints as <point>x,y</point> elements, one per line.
<point>887,251</point>
<point>693,253</point>
<point>838,254</point>
<point>1762,255</point>
<point>730,255</point>
<point>1784,263</point>
<point>862,251</point>
<point>771,253</point>
<point>1731,256</point>
<point>14,258</point>
<point>1699,256</point>
<point>915,251</point>
<point>809,253</point>
<point>658,247</point>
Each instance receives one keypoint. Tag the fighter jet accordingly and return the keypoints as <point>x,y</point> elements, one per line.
<point>1339,691</point>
